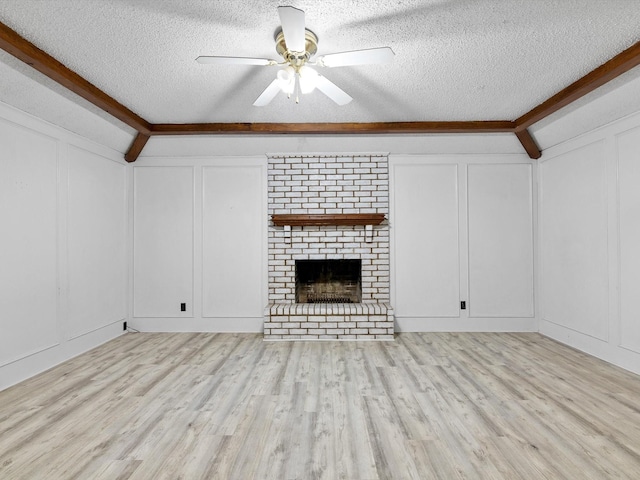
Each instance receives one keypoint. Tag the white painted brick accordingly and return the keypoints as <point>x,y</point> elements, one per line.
<point>362,182</point>
<point>359,331</point>
<point>302,331</point>
<point>279,331</point>
<point>386,325</point>
<point>353,198</point>
<point>347,325</point>
<point>366,324</point>
<point>316,331</point>
<point>326,194</point>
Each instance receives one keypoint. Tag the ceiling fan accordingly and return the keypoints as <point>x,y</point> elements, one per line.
<point>296,45</point>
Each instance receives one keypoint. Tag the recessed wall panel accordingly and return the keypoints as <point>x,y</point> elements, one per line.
<point>233,219</point>
<point>573,222</point>
<point>28,243</point>
<point>500,211</point>
<point>163,241</point>
<point>425,213</point>
<point>96,246</point>
<point>629,234</point>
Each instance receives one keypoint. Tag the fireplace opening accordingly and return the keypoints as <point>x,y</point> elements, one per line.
<point>328,281</point>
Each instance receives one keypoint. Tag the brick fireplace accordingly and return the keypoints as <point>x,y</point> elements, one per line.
<point>328,207</point>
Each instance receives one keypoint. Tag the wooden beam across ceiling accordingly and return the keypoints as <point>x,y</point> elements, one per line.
<point>529,144</point>
<point>136,147</point>
<point>621,63</point>
<point>376,128</point>
<point>19,47</point>
<point>24,50</point>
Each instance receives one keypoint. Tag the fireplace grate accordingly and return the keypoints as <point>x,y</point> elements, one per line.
<point>328,298</point>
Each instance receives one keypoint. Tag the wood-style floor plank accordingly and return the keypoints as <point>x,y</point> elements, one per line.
<point>231,406</point>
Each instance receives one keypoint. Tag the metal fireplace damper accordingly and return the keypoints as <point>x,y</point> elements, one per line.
<point>328,281</point>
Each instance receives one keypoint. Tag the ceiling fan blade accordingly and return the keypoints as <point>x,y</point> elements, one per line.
<point>292,21</point>
<point>357,57</point>
<point>269,94</point>
<point>332,91</point>
<point>234,60</point>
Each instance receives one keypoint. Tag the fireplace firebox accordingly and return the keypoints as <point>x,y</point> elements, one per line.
<point>328,281</point>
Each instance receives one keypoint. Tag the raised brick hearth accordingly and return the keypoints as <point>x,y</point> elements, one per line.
<point>329,185</point>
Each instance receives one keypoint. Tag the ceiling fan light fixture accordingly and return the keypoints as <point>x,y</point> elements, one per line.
<point>308,78</point>
<point>287,79</point>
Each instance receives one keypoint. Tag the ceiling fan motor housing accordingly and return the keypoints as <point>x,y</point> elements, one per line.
<point>297,59</point>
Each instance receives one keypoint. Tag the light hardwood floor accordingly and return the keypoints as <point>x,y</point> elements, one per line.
<point>230,406</point>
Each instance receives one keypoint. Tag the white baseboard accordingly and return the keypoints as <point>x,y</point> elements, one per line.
<point>604,350</point>
<point>216,325</point>
<point>430,324</point>
<point>30,365</point>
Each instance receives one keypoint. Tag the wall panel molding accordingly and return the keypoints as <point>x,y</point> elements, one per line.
<point>500,240</point>
<point>614,334</point>
<point>163,241</point>
<point>34,279</point>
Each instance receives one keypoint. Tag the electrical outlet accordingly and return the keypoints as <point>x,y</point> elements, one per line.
<point>183,307</point>
<point>463,305</point>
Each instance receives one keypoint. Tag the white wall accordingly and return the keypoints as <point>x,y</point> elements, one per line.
<point>590,242</point>
<point>62,245</point>
<point>462,229</point>
<point>199,237</point>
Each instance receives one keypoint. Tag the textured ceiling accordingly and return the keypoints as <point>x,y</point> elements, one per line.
<point>455,59</point>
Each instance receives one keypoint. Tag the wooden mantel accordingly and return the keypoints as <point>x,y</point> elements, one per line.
<point>327,219</point>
